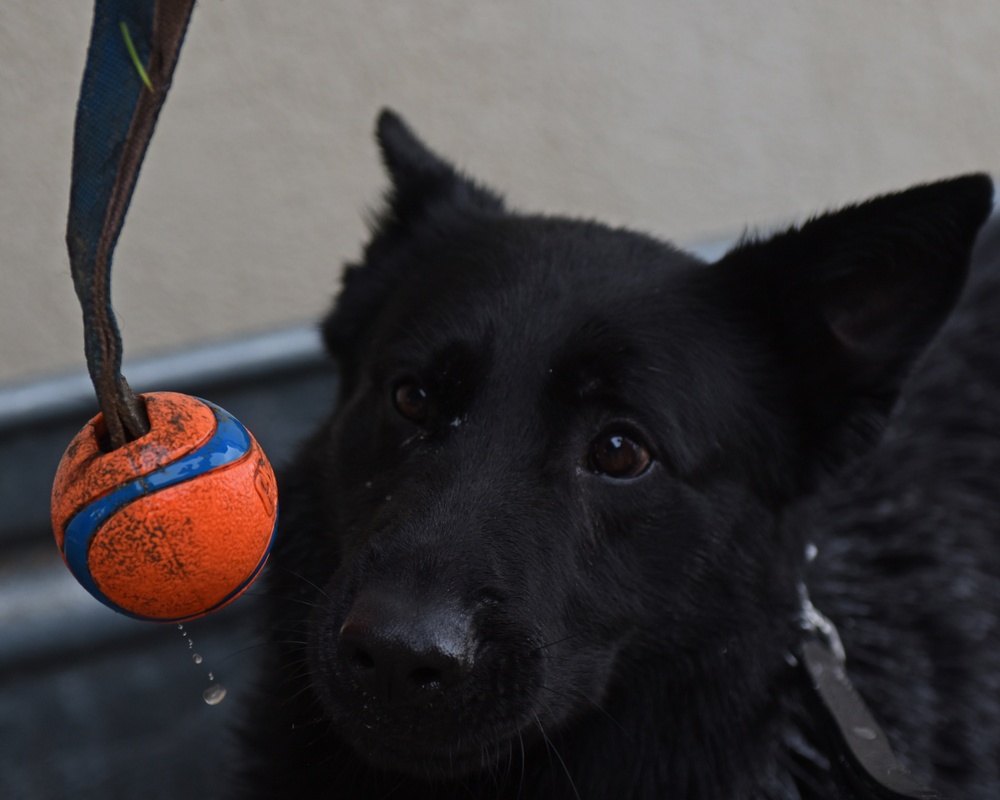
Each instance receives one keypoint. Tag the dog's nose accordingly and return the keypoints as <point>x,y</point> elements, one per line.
<point>405,652</point>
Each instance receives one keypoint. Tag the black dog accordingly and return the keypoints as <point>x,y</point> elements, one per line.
<point>584,499</point>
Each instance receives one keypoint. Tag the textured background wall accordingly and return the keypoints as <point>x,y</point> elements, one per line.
<point>688,119</point>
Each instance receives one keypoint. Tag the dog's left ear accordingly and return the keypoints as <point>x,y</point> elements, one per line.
<point>851,299</point>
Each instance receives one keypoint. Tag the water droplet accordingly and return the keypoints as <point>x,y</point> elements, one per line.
<point>388,497</point>
<point>368,484</point>
<point>811,552</point>
<point>865,733</point>
<point>214,694</point>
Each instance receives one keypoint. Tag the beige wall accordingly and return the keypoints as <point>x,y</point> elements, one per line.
<point>690,119</point>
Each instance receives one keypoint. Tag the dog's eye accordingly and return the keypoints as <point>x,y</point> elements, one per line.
<point>618,455</point>
<point>410,400</point>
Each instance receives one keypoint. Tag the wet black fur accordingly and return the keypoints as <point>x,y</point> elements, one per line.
<point>636,638</point>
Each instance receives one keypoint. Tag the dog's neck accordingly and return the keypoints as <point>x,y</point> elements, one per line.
<point>816,736</point>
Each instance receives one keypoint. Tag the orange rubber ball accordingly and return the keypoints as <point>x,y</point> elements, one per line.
<point>172,525</point>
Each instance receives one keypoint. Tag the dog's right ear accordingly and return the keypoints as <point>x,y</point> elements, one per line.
<point>427,194</point>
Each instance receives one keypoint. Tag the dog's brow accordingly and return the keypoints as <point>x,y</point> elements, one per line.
<point>589,376</point>
<point>595,361</point>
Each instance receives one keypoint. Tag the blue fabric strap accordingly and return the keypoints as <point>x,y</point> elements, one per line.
<point>132,42</point>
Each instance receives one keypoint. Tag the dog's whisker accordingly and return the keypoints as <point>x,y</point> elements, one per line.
<point>556,642</point>
<point>300,601</point>
<point>243,651</point>
<point>520,785</point>
<point>302,578</point>
<point>552,749</point>
<point>398,785</point>
<point>593,703</point>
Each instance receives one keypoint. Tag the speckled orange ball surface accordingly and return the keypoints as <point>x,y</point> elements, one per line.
<point>173,525</point>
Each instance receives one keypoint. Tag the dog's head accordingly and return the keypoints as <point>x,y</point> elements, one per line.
<point>562,451</point>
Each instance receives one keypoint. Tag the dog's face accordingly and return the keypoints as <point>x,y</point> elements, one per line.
<point>562,453</point>
<point>530,472</point>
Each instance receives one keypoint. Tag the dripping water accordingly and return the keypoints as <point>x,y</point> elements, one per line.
<point>216,692</point>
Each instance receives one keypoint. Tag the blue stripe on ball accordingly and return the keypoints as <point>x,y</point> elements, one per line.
<point>229,443</point>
